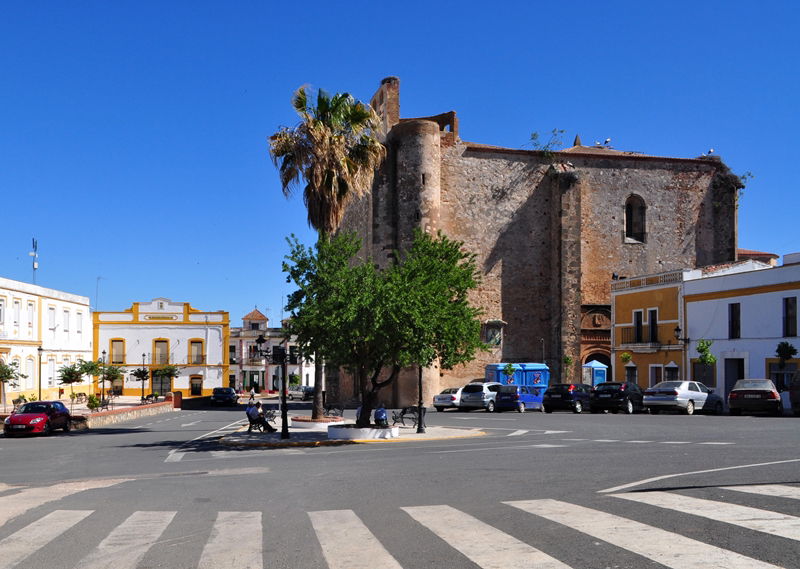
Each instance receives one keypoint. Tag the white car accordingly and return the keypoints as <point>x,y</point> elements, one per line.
<point>450,397</point>
<point>684,396</point>
<point>480,396</point>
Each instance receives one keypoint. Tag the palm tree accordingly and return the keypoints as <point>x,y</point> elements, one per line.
<point>334,150</point>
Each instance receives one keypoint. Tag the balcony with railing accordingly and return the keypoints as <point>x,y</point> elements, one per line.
<point>644,334</point>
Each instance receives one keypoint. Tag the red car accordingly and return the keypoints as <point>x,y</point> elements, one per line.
<point>37,417</point>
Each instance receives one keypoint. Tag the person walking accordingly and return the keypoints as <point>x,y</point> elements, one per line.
<point>252,393</point>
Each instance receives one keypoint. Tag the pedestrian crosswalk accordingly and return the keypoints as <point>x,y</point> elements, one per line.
<point>236,539</point>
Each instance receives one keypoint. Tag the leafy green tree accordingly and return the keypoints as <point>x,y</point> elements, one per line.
<point>90,368</point>
<point>141,374</point>
<point>70,375</point>
<point>334,151</point>
<point>9,374</point>
<point>509,370</point>
<point>785,351</point>
<point>374,323</point>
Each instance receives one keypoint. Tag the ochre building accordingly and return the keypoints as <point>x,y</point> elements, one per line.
<point>551,230</point>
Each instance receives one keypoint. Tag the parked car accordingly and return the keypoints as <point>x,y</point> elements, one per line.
<point>38,417</point>
<point>224,396</point>
<point>479,396</point>
<point>754,396</point>
<point>301,392</point>
<point>685,396</point>
<point>794,393</point>
<point>567,396</point>
<point>519,397</point>
<point>615,396</point>
<point>450,397</point>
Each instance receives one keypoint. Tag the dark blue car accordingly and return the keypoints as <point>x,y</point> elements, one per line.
<point>517,397</point>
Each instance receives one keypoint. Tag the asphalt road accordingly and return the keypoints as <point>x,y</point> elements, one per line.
<point>539,490</point>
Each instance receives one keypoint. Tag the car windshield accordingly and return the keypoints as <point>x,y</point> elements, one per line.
<point>508,389</point>
<point>34,408</point>
<point>558,387</point>
<point>754,384</point>
<point>668,385</point>
<point>608,387</point>
<point>221,390</point>
<point>473,388</point>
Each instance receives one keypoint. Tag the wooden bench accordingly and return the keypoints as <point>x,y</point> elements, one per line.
<point>81,397</point>
<point>104,403</point>
<point>269,416</point>
<point>401,415</point>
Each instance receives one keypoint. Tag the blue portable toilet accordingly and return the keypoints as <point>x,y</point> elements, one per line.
<point>594,372</point>
<point>534,376</point>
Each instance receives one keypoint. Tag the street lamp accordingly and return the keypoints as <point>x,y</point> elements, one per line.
<point>278,356</point>
<point>677,332</point>
<point>102,376</point>
<point>40,350</point>
<point>144,356</point>
<point>420,408</point>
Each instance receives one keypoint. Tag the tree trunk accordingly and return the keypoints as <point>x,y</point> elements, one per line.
<point>317,409</point>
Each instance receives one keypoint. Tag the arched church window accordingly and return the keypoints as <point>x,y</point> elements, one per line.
<point>635,226</point>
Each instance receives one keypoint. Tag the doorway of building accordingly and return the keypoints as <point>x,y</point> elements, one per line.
<point>734,371</point>
<point>162,384</point>
<point>196,385</point>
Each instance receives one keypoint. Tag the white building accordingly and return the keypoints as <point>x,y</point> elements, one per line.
<point>251,369</point>
<point>161,332</point>
<point>42,330</point>
<point>746,315</point>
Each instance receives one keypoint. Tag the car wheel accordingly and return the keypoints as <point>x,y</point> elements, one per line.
<point>736,411</point>
<point>67,425</point>
<point>654,411</point>
<point>628,407</point>
<point>578,407</point>
<point>47,431</point>
<point>490,407</point>
<point>290,397</point>
<point>440,409</point>
<point>689,407</point>
<point>520,407</point>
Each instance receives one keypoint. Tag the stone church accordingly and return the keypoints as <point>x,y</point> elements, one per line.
<point>551,230</point>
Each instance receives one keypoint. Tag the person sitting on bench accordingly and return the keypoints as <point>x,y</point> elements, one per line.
<point>256,417</point>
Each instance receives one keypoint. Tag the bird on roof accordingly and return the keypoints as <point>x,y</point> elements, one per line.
<point>597,143</point>
<point>711,151</point>
<point>607,142</point>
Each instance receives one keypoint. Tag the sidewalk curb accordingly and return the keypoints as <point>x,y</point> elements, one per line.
<point>340,442</point>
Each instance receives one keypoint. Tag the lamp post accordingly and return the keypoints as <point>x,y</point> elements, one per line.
<point>278,356</point>
<point>144,359</point>
<point>685,341</point>
<point>420,408</point>
<point>102,376</point>
<point>40,350</point>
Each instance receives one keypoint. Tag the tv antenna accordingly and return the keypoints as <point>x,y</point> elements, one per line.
<point>35,255</point>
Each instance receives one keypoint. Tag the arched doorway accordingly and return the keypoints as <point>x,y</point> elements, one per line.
<point>603,359</point>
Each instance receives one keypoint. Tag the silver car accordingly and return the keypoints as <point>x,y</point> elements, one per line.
<point>480,396</point>
<point>450,397</point>
<point>685,396</point>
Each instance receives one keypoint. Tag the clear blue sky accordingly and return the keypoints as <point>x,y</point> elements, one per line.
<point>133,134</point>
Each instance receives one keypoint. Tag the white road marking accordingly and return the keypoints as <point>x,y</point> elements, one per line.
<point>175,455</point>
<point>548,446</point>
<point>517,433</point>
<point>496,448</point>
<point>189,424</point>
<point>482,544</point>
<point>669,549</point>
<point>347,543</point>
<point>127,543</point>
<point>606,440</point>
<point>574,439</point>
<point>773,523</point>
<point>776,490</point>
<point>675,442</point>
<point>21,544</point>
<point>241,528</point>
<point>665,476</point>
<point>638,442</point>
<point>482,419</point>
<point>13,505</point>
<point>715,443</point>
